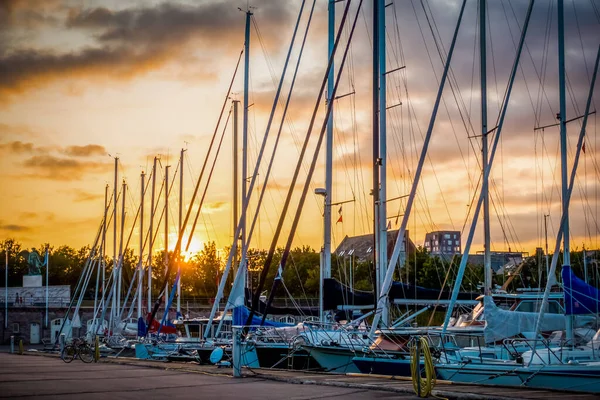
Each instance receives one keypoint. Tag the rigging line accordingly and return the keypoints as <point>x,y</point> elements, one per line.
<point>269,258</point>
<point>283,117</point>
<point>157,303</point>
<point>212,168</point>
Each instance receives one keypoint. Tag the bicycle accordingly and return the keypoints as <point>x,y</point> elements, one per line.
<point>77,348</point>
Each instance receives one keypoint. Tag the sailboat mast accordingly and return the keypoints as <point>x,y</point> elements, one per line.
<point>235,201</point>
<point>563,129</point>
<point>114,271</point>
<point>141,266</point>
<point>383,258</point>
<point>151,236</point>
<point>375,190</point>
<point>563,148</point>
<point>121,250</point>
<point>326,263</point>
<point>103,247</point>
<point>245,132</point>
<point>166,253</point>
<point>487,262</point>
<point>180,225</point>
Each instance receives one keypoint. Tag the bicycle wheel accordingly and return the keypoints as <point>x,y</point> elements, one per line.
<point>68,354</point>
<point>86,354</point>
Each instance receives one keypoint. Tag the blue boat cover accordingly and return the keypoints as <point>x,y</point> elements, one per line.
<point>240,316</point>
<point>580,298</point>
<point>141,327</point>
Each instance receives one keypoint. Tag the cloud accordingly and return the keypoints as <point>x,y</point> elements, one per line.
<point>133,41</point>
<point>17,147</point>
<point>85,151</point>
<point>64,169</point>
<point>214,206</point>
<point>14,228</point>
<point>81,196</point>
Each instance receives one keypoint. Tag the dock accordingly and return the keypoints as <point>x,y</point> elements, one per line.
<point>49,377</point>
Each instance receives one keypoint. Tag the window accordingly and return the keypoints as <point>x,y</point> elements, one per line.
<point>436,243</point>
<point>456,242</point>
<point>447,236</point>
<point>455,236</point>
<point>370,249</point>
<point>434,237</point>
<point>351,252</point>
<point>341,253</point>
<point>15,327</point>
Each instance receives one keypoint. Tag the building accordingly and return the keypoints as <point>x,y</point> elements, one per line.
<point>361,247</point>
<point>443,243</point>
<point>500,260</point>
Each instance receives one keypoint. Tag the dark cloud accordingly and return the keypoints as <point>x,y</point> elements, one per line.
<point>134,41</point>
<point>14,228</point>
<point>17,147</point>
<point>64,169</point>
<point>85,151</point>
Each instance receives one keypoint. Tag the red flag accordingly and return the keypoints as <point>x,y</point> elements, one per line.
<point>340,219</point>
<point>583,147</point>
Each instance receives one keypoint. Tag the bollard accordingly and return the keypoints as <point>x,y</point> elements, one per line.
<point>21,347</point>
<point>12,345</point>
<point>61,342</point>
<point>96,350</point>
<point>237,352</point>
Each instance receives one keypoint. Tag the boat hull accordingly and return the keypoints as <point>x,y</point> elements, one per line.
<point>383,366</point>
<point>482,374</point>
<point>333,359</point>
<point>276,355</point>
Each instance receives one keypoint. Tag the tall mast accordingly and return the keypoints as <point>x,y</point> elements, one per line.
<point>235,202</point>
<point>114,271</point>
<point>103,247</point>
<point>563,129</point>
<point>326,264</point>
<point>141,266</point>
<point>383,258</point>
<point>166,253</point>
<point>563,150</point>
<point>180,225</point>
<point>375,191</point>
<point>121,250</point>
<point>487,262</point>
<point>151,236</point>
<point>245,132</point>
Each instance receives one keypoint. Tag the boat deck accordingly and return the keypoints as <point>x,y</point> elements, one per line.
<point>352,383</point>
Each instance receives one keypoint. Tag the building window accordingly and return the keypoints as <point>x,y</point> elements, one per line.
<point>341,253</point>
<point>370,249</point>
<point>447,236</point>
<point>351,252</point>
<point>455,236</point>
<point>436,243</point>
<point>456,242</point>
<point>15,327</point>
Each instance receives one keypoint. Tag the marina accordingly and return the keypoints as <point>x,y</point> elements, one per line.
<point>308,238</point>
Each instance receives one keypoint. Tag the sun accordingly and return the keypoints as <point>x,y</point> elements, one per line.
<point>195,246</point>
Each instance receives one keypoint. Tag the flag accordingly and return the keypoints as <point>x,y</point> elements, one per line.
<point>339,219</point>
<point>389,225</point>
<point>583,147</point>
<point>340,210</point>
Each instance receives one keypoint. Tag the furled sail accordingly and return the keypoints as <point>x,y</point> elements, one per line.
<point>580,297</point>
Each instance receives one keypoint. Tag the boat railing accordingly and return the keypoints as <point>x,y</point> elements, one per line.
<point>534,345</point>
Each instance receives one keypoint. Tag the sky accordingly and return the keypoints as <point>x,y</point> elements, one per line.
<point>84,82</point>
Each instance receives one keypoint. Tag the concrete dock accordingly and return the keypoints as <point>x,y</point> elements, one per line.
<point>49,377</point>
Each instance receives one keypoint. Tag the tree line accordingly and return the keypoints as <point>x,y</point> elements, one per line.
<point>202,271</point>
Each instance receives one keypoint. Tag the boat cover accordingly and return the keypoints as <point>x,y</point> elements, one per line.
<point>580,297</point>
<point>240,316</point>
<point>502,324</point>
